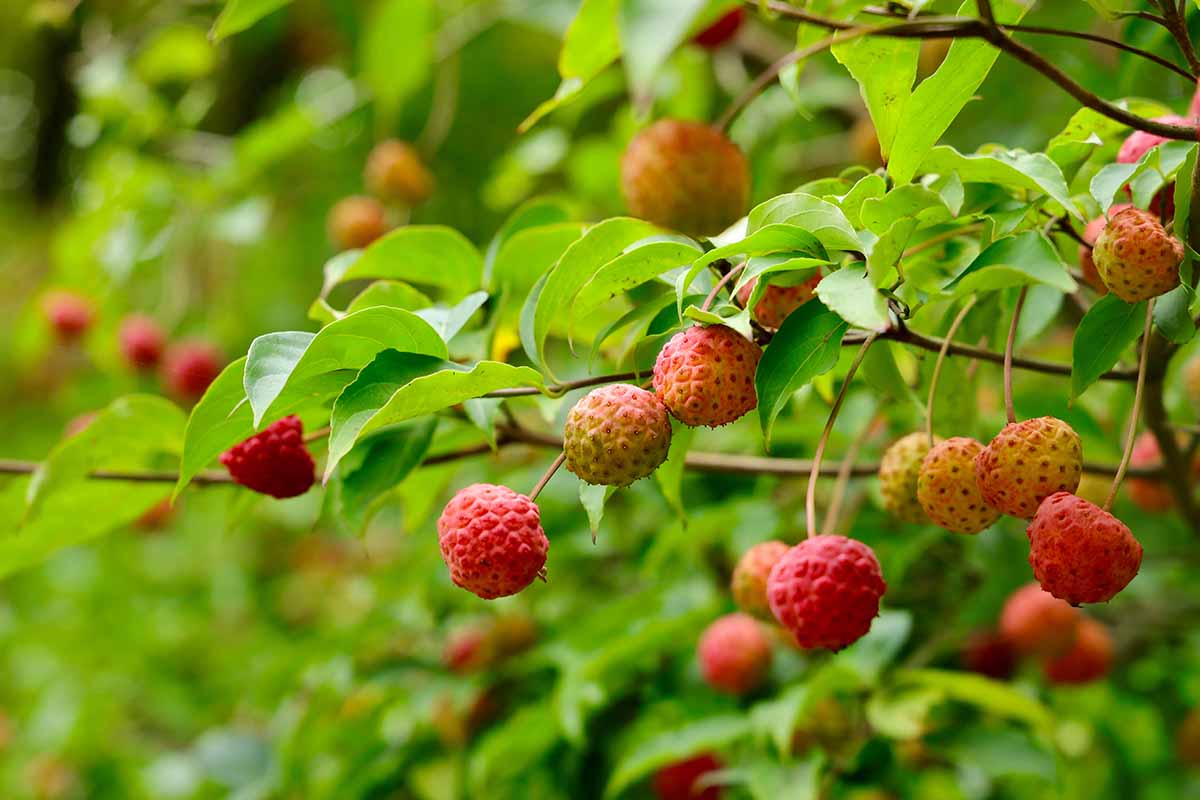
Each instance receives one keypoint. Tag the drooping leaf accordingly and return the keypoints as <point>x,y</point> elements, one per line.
<point>697,737</point>
<point>397,51</point>
<point>389,458</point>
<point>822,219</point>
<point>1014,261</point>
<point>427,255</point>
<point>885,70</point>
<point>1104,334</point>
<point>1011,168</point>
<point>850,294</point>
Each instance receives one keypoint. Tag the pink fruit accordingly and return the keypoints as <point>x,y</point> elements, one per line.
<point>492,540</point>
<point>1079,552</point>
<point>705,375</point>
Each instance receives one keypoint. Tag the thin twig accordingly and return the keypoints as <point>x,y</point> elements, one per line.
<point>844,472</point>
<point>1131,434</point>
<point>567,386</point>
<point>541,484</point>
<point>937,366</point>
<point>725,279</point>
<point>1008,355</point>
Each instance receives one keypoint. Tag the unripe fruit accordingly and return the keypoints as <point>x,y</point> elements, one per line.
<point>991,654</point>
<point>355,222</point>
<point>826,591</point>
<point>734,654</point>
<point>274,462</point>
<point>947,489</point>
<point>396,173</point>
<point>1088,659</point>
<point>1091,232</point>
<point>492,540</point>
<point>1149,495</point>
<point>1080,552</point>
<point>686,176</point>
<point>1187,739</point>
<point>616,435</point>
<point>680,781</point>
<point>721,31</point>
<point>705,375</point>
<point>898,471</point>
<point>1136,257</point>
<point>777,302</point>
<point>142,341</point>
<point>1036,623</point>
<point>188,368</point>
<point>1027,462</point>
<point>749,582</point>
<point>70,315</point>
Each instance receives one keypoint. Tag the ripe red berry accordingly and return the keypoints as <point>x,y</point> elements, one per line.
<point>468,649</point>
<point>686,176</point>
<point>1037,623</point>
<point>1028,461</point>
<point>680,781</point>
<point>990,653</point>
<point>705,375</point>
<point>1088,659</point>
<point>1080,552</point>
<point>355,222</point>
<point>777,302</point>
<point>492,540</point>
<point>734,654</point>
<point>749,582</point>
<point>142,341</point>
<point>188,368</point>
<point>395,172</point>
<point>721,31</point>
<point>826,591</point>
<point>274,462</point>
<point>69,314</point>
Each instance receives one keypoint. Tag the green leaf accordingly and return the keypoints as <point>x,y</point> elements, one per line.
<point>397,52</point>
<point>903,714</point>
<point>1010,168</point>
<point>886,70</point>
<point>396,387</point>
<point>592,42</point>
<point>238,15</point>
<point>870,655</point>
<point>1172,314</point>
<point>822,219</point>
<point>807,345</point>
<point>427,255</point>
<point>628,270</point>
<point>278,362</point>
<point>651,31</point>
<point>713,733</point>
<point>984,693</point>
<point>512,749</point>
<point>593,498</point>
<point>769,780</point>
<point>918,204</point>
<point>670,475</point>
<point>395,294</point>
<point>768,240</point>
<point>850,294</point>
<point>387,459</point>
<point>1105,332</point>
<point>447,322</point>
<point>1014,261</point>
<point>778,717</point>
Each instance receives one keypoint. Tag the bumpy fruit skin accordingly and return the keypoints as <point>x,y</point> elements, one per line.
<point>1149,495</point>
<point>734,654</point>
<point>686,176</point>
<point>274,462</point>
<point>1091,232</point>
<point>616,435</point>
<point>777,302</point>
<point>1088,659</point>
<point>1187,739</point>
<point>705,375</point>
<point>898,471</point>
<point>721,31</point>
<point>492,540</point>
<point>1036,623</point>
<point>679,781</point>
<point>142,341</point>
<point>188,368</point>
<point>1136,257</point>
<point>826,591</point>
<point>947,489</point>
<point>1079,552</point>
<point>70,315</point>
<point>355,222</point>
<point>749,582</point>
<point>990,653</point>
<point>1026,463</point>
<point>395,172</point>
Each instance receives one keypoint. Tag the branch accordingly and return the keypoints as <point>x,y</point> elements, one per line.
<point>567,386</point>
<point>1175,22</point>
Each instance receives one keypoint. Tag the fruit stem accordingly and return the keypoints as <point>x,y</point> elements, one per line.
<point>1131,433</point>
<point>810,496</point>
<point>1008,355</point>
<point>845,469</point>
<point>725,279</point>
<point>541,484</point>
<point>937,366</point>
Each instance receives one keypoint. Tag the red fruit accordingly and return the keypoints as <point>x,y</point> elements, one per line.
<point>777,302</point>
<point>1089,658</point>
<point>492,540</point>
<point>1026,462</point>
<point>735,654</point>
<point>69,314</point>
<point>1137,257</point>
<point>274,462</point>
<point>355,222</point>
<point>188,368</point>
<point>1080,552</point>
<point>749,583</point>
<point>142,341</point>
<point>1087,264</point>
<point>721,31</point>
<point>686,176</point>
<point>679,781</point>
<point>826,591</point>
<point>1037,623</point>
<point>705,375</point>
<point>990,654</point>
<point>395,172</point>
<point>468,649</point>
<point>1149,495</point>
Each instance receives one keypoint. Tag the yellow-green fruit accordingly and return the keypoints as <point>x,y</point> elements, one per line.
<point>947,490</point>
<point>749,582</point>
<point>898,471</point>
<point>1027,462</point>
<point>616,435</point>
<point>1136,257</point>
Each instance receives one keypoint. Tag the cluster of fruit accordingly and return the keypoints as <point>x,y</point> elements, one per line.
<point>394,175</point>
